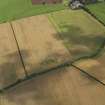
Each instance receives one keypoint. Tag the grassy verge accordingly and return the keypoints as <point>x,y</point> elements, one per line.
<point>98,10</point>
<point>80,33</point>
<point>15,9</point>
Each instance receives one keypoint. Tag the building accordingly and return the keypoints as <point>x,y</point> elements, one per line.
<point>46,1</point>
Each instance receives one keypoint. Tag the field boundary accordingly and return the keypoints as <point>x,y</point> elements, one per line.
<point>18,16</point>
<point>93,15</point>
<point>21,58</point>
<point>65,64</point>
<point>92,55</point>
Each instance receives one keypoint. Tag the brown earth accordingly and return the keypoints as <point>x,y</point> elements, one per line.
<point>62,87</point>
<point>46,1</point>
<point>10,65</point>
<point>95,67</point>
<point>35,36</point>
<point>40,49</point>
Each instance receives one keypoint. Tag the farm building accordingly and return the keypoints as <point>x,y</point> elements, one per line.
<point>46,1</point>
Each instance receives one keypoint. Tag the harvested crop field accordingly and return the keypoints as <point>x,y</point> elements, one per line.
<point>62,87</point>
<point>79,31</point>
<point>32,49</point>
<point>35,35</point>
<point>94,66</point>
<point>24,8</point>
<point>98,10</point>
<point>33,45</point>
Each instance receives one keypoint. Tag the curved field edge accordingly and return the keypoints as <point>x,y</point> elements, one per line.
<point>66,64</point>
<point>94,56</point>
<point>87,30</point>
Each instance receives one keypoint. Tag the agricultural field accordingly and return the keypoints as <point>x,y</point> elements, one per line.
<point>35,35</point>
<point>95,66</point>
<point>66,86</point>
<point>15,9</point>
<point>10,64</point>
<point>38,43</point>
<point>98,10</point>
<point>81,33</point>
<point>32,48</point>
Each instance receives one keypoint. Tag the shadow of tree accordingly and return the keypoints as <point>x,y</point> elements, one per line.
<point>41,88</point>
<point>78,42</point>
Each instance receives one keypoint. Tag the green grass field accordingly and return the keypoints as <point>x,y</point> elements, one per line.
<point>81,33</point>
<point>98,9</point>
<point>14,9</point>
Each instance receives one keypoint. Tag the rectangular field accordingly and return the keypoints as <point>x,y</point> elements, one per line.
<point>62,87</point>
<point>24,8</point>
<point>36,36</point>
<point>81,33</point>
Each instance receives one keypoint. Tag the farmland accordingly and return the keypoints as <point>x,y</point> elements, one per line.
<point>30,46</point>
<point>80,33</point>
<point>66,86</point>
<point>15,9</point>
<point>44,49</point>
<point>38,52</point>
<point>92,66</point>
<point>10,63</point>
<point>98,10</point>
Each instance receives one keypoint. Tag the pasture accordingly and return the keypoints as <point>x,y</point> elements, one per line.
<point>98,10</point>
<point>16,9</point>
